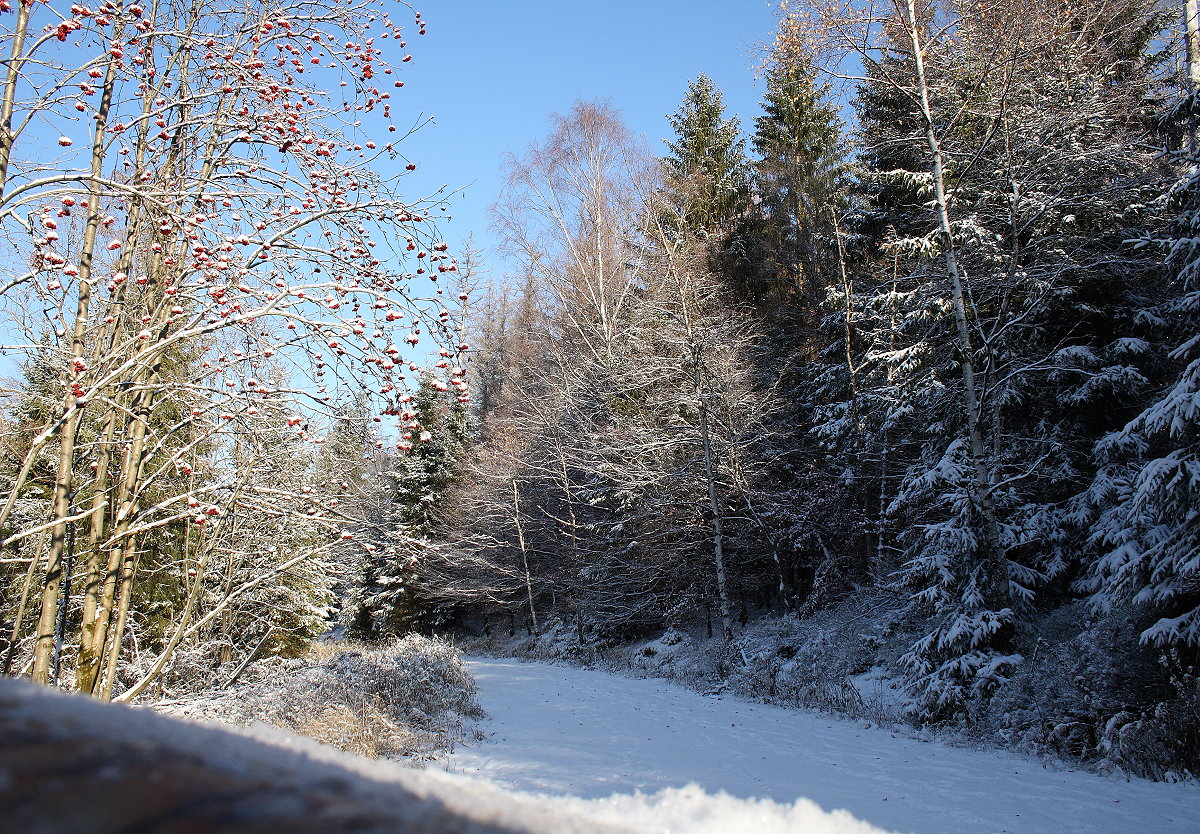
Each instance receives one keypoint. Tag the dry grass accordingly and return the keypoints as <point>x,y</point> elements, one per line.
<point>365,730</point>
<point>407,699</point>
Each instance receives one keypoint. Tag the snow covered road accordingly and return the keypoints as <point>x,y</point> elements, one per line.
<point>583,733</point>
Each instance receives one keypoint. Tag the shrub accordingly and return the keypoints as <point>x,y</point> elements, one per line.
<point>1089,690</point>
<point>407,699</point>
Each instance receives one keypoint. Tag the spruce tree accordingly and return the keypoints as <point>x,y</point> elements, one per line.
<point>1144,501</point>
<point>800,168</point>
<point>392,596</point>
<point>422,474</point>
<point>992,349</point>
<point>707,166</point>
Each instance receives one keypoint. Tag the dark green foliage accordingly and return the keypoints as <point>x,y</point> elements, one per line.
<point>799,177</point>
<point>422,473</point>
<point>708,170</point>
<point>390,597</point>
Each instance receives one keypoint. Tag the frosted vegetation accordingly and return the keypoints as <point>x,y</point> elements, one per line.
<point>407,699</point>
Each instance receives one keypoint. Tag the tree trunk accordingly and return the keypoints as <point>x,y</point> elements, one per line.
<point>64,599</point>
<point>982,480</point>
<point>128,569</point>
<point>714,507</point>
<point>63,482</point>
<point>194,593</point>
<point>88,664</point>
<point>1191,28</point>
<point>91,640</point>
<point>61,508</point>
<point>118,580</point>
<point>848,333</point>
<point>20,615</point>
<point>524,556</point>
<point>12,76</point>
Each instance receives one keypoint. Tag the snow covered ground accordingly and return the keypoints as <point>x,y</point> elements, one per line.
<point>124,769</point>
<point>587,734</point>
<point>609,754</point>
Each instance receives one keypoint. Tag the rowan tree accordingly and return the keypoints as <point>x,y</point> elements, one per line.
<point>231,205</point>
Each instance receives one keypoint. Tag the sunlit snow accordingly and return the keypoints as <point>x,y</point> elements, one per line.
<point>587,734</point>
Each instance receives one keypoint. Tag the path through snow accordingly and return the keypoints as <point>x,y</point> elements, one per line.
<point>588,734</point>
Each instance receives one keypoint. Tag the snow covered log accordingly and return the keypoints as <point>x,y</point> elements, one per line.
<point>72,764</point>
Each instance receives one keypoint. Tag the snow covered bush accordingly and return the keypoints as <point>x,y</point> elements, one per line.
<point>573,641</point>
<point>1159,740</point>
<point>561,640</point>
<point>1072,675</point>
<point>660,656</point>
<point>834,660</point>
<point>813,663</point>
<point>404,699</point>
<point>798,676</point>
<point>1088,691</point>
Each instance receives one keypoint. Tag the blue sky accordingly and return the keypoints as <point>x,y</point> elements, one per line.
<point>490,72</point>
